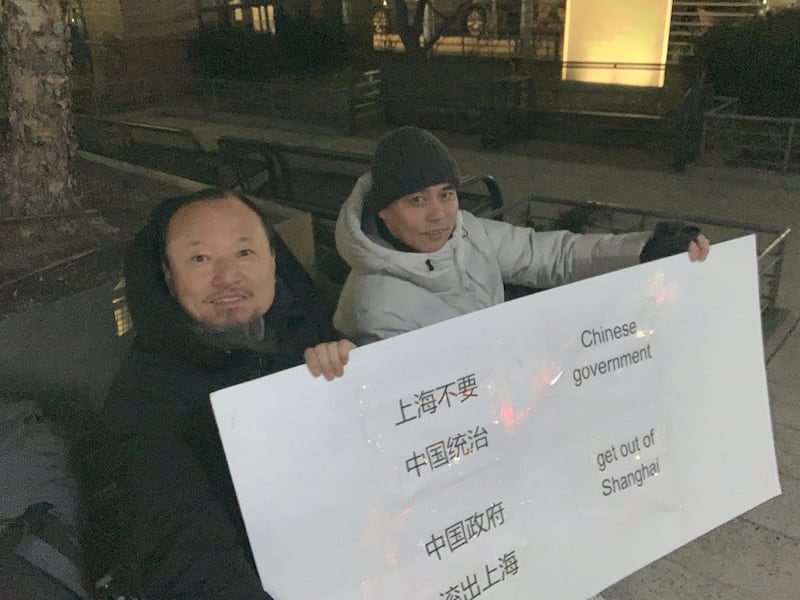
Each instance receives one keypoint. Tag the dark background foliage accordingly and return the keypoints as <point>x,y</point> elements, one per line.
<point>758,62</point>
<point>300,45</point>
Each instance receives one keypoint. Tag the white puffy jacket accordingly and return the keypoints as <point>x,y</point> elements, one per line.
<point>389,292</point>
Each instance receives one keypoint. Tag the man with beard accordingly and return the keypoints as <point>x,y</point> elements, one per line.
<point>211,310</point>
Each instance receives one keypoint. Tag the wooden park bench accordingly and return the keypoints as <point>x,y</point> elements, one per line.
<point>319,180</point>
<point>175,150</point>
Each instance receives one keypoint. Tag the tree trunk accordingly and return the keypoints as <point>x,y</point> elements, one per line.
<point>360,26</point>
<point>410,29</point>
<point>37,165</point>
<point>454,17</point>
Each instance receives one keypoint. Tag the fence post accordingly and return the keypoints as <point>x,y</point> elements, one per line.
<point>788,154</point>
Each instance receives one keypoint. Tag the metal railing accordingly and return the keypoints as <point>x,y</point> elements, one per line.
<point>748,140</point>
<point>547,213</point>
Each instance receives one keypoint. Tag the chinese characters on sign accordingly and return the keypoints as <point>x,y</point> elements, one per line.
<point>429,401</point>
<point>459,534</point>
<point>442,453</point>
<point>474,585</point>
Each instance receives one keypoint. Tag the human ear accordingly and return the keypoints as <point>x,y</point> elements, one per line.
<point>168,279</point>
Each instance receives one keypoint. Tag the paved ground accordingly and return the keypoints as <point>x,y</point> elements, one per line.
<point>754,557</point>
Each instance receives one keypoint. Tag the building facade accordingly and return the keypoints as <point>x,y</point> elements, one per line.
<point>535,28</point>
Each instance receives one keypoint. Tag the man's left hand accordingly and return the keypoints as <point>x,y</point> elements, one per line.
<point>674,237</point>
<point>328,359</point>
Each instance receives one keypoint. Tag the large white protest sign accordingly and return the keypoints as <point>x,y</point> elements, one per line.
<point>544,448</point>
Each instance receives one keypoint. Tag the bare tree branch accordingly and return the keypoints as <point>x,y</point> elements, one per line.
<point>459,14</point>
<point>411,31</point>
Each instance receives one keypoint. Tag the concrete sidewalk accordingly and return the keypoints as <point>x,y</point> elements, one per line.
<point>756,556</point>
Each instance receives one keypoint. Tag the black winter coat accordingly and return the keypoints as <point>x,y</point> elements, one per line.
<point>164,502</point>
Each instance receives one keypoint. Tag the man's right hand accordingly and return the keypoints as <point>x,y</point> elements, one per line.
<point>699,248</point>
<point>328,359</point>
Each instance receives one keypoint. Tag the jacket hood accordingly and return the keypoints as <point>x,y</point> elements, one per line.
<point>161,325</point>
<point>361,247</point>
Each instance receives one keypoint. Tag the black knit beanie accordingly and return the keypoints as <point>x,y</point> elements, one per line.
<point>407,160</point>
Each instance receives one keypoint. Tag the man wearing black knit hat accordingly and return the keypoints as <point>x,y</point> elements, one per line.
<point>417,259</point>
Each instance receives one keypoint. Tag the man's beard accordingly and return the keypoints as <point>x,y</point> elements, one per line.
<point>250,335</point>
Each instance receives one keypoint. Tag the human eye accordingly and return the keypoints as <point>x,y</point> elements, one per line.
<point>198,258</point>
<point>416,200</point>
<point>245,252</point>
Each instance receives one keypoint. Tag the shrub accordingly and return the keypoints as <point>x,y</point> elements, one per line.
<point>300,45</point>
<point>757,61</point>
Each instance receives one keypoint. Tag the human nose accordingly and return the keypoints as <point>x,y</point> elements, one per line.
<point>436,211</point>
<point>226,272</point>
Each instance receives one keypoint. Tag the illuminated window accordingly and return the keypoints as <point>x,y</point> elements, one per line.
<point>346,10</point>
<point>238,15</point>
<point>260,17</point>
<point>263,18</point>
<point>122,316</point>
